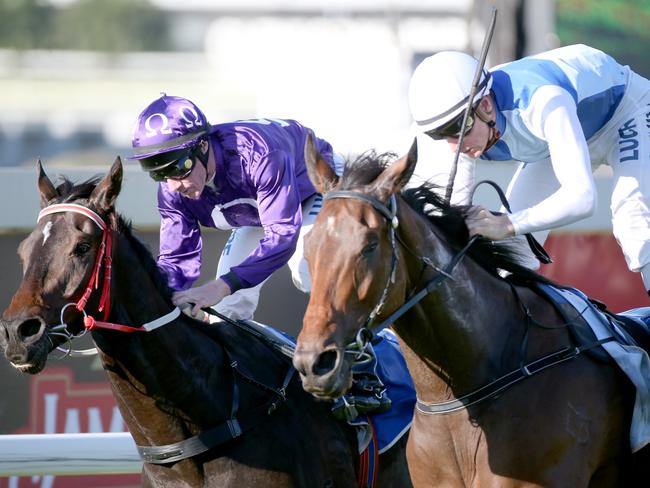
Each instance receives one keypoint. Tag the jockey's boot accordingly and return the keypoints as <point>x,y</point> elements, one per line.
<point>367,395</point>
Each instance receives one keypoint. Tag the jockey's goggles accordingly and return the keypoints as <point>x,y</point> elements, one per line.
<point>178,169</point>
<point>453,128</point>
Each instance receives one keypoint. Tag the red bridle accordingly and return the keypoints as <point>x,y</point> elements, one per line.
<point>104,255</point>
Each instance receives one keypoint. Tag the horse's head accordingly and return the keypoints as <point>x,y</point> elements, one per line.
<point>352,258</point>
<point>59,259</point>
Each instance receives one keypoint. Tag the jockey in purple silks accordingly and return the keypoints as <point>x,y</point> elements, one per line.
<point>247,176</point>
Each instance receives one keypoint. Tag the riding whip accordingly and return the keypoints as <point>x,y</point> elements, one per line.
<point>477,78</point>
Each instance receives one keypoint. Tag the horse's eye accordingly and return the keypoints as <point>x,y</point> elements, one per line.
<point>369,249</point>
<point>81,248</point>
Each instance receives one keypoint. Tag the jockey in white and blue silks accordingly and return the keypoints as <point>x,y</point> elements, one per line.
<point>246,176</point>
<point>561,113</point>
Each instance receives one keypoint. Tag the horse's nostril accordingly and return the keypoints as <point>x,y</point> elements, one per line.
<point>29,328</point>
<point>325,363</point>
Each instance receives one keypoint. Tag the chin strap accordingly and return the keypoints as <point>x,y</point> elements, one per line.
<point>204,158</point>
<point>495,135</point>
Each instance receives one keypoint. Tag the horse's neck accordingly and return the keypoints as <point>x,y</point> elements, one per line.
<point>133,289</point>
<point>464,323</point>
<point>185,376</point>
<point>184,367</point>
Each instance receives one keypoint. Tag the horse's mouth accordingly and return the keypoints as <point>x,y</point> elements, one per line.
<point>327,388</point>
<point>32,358</point>
<point>30,368</point>
<point>33,363</point>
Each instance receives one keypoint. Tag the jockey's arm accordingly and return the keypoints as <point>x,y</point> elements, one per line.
<point>554,118</point>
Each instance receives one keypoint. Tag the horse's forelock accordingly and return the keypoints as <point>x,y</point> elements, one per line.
<point>69,191</point>
<point>365,169</point>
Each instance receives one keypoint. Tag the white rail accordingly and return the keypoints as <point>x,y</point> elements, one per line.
<point>68,454</point>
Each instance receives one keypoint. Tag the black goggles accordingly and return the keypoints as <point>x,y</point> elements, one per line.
<point>453,128</point>
<point>178,169</point>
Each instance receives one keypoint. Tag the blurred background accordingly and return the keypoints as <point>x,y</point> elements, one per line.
<point>74,74</point>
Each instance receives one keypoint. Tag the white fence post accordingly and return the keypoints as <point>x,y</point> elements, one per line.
<point>68,454</point>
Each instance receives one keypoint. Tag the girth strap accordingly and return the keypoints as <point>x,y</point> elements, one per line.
<point>228,430</point>
<point>232,428</point>
<point>509,379</point>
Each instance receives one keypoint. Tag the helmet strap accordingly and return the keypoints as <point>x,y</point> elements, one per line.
<point>495,135</point>
<point>204,158</point>
<point>484,117</point>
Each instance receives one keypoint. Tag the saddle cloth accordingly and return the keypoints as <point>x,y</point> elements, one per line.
<point>391,425</point>
<point>632,360</point>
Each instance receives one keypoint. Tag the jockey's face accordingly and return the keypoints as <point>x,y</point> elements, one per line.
<point>476,140</point>
<point>192,185</point>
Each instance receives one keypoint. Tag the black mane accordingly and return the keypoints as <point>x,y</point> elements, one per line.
<point>427,201</point>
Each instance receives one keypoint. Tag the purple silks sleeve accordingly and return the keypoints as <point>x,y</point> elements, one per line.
<point>180,242</point>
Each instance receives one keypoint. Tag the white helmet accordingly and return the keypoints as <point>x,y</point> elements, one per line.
<point>440,87</point>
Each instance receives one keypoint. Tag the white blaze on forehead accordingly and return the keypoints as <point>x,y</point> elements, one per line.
<point>46,231</point>
<point>331,224</point>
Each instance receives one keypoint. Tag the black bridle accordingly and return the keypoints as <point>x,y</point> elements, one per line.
<point>359,346</point>
<point>389,212</point>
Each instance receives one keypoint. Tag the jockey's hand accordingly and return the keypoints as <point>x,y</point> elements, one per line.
<point>480,221</point>
<point>206,295</point>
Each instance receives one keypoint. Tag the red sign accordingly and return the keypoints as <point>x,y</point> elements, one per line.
<point>58,404</point>
<point>594,264</point>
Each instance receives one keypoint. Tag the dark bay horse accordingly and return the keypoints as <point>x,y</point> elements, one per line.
<point>372,248</point>
<point>173,377</point>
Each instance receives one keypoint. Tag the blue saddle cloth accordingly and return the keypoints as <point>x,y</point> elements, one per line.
<point>391,425</point>
<point>391,368</point>
<point>630,358</point>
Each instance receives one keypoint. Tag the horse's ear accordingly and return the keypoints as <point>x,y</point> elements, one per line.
<point>105,193</point>
<point>45,186</point>
<point>395,177</point>
<point>320,173</point>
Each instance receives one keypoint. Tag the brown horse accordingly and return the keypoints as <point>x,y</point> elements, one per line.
<point>210,405</point>
<point>374,248</point>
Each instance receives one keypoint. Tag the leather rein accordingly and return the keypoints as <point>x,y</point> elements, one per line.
<point>233,427</point>
<point>363,337</point>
